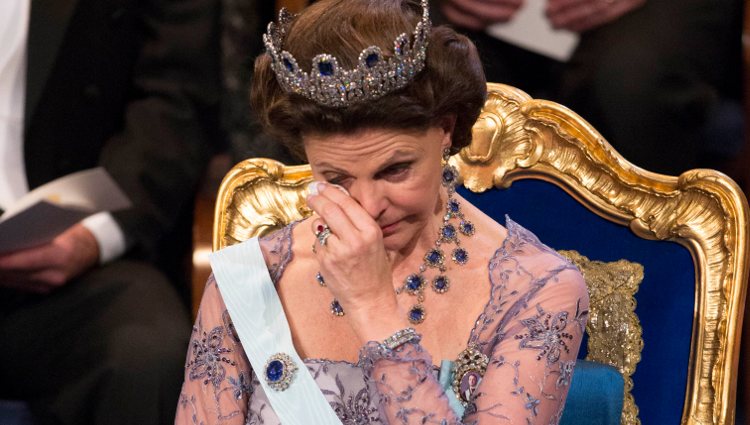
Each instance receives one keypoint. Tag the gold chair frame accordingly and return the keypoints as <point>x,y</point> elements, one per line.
<point>517,137</point>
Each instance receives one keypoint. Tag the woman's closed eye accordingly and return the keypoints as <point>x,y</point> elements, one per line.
<point>391,172</point>
<point>394,171</point>
<point>340,180</point>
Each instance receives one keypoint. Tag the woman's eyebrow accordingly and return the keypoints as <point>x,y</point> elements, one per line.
<point>394,157</point>
<point>330,167</point>
<point>398,156</point>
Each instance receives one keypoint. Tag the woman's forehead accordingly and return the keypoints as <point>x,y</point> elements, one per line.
<point>368,146</point>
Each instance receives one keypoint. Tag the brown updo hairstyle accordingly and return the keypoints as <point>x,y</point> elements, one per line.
<point>452,82</point>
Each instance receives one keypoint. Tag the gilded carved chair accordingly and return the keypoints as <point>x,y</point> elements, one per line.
<point>664,257</point>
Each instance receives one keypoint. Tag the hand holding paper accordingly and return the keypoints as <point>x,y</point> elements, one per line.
<point>49,210</point>
<point>547,27</point>
<point>44,268</point>
<point>531,30</point>
<point>42,243</point>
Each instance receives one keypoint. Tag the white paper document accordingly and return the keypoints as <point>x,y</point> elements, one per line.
<point>531,30</point>
<point>45,212</point>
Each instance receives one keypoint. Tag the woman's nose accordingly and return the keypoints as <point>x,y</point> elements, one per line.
<point>370,197</point>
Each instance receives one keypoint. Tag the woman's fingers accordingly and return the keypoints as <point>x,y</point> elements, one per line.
<point>323,234</point>
<point>347,231</point>
<point>332,214</point>
<point>339,210</point>
<point>357,215</point>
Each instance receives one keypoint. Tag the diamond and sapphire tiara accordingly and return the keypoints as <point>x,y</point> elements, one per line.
<point>330,85</point>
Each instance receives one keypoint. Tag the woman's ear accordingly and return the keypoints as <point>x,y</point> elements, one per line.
<point>447,124</point>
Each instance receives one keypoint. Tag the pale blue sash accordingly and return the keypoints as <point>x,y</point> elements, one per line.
<point>446,381</point>
<point>258,317</point>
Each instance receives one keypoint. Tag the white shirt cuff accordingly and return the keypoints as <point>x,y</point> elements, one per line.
<point>108,235</point>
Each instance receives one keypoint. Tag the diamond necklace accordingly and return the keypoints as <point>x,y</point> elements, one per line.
<point>415,283</point>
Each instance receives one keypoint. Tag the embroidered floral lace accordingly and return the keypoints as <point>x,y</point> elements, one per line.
<point>530,329</point>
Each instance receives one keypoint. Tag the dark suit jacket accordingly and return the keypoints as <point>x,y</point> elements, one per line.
<point>131,85</point>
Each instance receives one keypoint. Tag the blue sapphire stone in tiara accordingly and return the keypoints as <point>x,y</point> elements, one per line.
<point>288,64</point>
<point>434,257</point>
<point>325,69</point>
<point>413,283</point>
<point>279,371</point>
<point>372,60</point>
<point>417,314</point>
<point>460,256</point>
<point>440,284</point>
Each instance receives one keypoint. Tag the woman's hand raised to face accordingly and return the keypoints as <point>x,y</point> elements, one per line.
<point>353,261</point>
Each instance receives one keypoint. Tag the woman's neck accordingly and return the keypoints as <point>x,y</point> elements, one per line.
<point>407,260</point>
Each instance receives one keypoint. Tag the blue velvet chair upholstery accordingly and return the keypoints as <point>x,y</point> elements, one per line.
<point>550,171</point>
<point>595,395</point>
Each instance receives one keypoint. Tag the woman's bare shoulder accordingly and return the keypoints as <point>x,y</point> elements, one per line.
<point>279,249</point>
<point>489,234</point>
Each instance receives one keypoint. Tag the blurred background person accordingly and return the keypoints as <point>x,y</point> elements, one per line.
<point>94,323</point>
<point>244,22</point>
<point>659,79</point>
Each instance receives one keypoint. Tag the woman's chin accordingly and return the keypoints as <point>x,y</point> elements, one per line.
<point>394,242</point>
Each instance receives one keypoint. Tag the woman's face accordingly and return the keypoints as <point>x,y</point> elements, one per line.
<point>394,175</point>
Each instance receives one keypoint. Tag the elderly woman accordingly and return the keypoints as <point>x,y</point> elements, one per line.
<point>398,301</point>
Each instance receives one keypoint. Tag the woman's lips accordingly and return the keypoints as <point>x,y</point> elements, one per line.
<point>389,228</point>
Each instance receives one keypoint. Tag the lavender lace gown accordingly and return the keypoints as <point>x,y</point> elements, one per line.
<point>531,329</point>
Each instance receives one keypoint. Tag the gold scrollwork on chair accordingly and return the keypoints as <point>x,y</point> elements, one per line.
<point>258,196</point>
<point>615,333</point>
